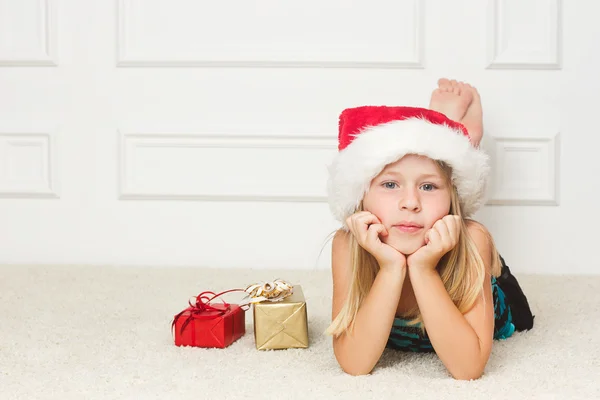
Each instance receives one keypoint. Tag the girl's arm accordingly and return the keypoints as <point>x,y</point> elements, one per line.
<point>463,342</point>
<point>358,353</point>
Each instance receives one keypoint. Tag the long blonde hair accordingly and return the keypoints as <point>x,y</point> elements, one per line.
<point>462,271</point>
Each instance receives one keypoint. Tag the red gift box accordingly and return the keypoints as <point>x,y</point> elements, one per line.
<point>209,325</point>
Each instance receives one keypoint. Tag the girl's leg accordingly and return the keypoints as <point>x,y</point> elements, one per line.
<point>460,102</point>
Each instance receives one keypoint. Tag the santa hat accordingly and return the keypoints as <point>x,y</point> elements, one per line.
<point>371,137</point>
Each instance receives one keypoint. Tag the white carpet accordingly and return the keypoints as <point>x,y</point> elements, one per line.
<point>104,333</point>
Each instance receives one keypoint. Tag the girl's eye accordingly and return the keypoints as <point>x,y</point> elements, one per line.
<point>390,185</point>
<point>428,187</point>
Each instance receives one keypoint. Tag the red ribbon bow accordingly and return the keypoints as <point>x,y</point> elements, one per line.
<point>202,310</point>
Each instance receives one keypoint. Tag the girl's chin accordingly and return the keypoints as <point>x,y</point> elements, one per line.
<point>407,248</point>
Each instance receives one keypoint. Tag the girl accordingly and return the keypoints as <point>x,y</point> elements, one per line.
<point>411,271</point>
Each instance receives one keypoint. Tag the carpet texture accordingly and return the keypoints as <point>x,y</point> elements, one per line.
<point>80,332</point>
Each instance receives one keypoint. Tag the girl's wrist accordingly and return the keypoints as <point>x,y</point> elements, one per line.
<point>393,269</point>
<point>421,270</point>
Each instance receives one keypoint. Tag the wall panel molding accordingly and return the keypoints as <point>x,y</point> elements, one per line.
<point>525,171</point>
<point>175,166</point>
<point>524,34</point>
<point>174,47</point>
<point>28,167</point>
<point>38,35</point>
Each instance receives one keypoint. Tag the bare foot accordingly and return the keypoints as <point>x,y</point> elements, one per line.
<point>473,118</point>
<point>451,99</point>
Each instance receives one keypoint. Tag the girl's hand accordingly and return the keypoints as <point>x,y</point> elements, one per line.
<point>439,240</point>
<point>366,228</point>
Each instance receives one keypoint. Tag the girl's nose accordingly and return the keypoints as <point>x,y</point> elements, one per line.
<point>410,201</point>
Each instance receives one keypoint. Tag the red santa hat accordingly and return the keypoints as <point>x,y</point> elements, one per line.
<point>371,137</point>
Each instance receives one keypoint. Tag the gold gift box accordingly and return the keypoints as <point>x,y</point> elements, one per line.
<point>282,324</point>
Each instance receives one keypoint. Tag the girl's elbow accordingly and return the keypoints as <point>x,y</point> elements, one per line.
<point>354,371</point>
<point>468,375</point>
<point>472,370</point>
<point>351,367</point>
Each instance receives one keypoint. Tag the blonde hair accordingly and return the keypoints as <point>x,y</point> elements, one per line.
<point>462,271</point>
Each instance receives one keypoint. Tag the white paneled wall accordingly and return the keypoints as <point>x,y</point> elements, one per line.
<point>525,172</point>
<point>28,169</point>
<point>27,33</point>
<point>197,133</point>
<point>524,34</point>
<point>276,169</point>
<point>268,33</point>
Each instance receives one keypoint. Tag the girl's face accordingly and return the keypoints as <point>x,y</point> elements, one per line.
<point>408,197</point>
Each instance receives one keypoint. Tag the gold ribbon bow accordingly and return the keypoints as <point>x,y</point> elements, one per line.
<point>276,290</point>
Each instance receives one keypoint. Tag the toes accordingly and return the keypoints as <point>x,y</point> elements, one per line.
<point>444,83</point>
<point>466,89</point>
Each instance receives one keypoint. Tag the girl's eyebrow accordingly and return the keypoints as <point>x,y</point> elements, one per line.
<point>422,176</point>
<point>429,176</point>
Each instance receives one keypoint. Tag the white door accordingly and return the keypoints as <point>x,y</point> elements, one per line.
<point>197,133</point>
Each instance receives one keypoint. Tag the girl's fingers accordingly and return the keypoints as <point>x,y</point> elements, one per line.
<point>373,233</point>
<point>362,220</point>
<point>426,237</point>
<point>455,231</point>
<point>442,228</point>
<point>367,219</point>
<point>453,227</point>
<point>434,238</point>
